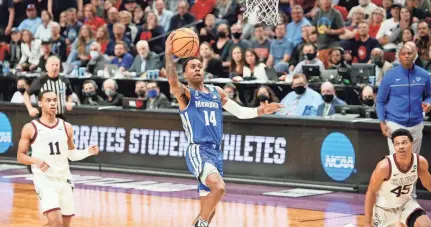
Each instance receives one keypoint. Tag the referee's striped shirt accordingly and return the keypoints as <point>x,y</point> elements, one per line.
<point>59,85</point>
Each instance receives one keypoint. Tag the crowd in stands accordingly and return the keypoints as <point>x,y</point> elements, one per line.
<point>130,34</point>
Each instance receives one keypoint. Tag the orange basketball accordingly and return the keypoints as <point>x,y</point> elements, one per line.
<point>185,43</point>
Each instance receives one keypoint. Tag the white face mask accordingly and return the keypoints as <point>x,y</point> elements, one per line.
<point>94,54</point>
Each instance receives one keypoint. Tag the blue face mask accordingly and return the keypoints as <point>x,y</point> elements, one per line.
<point>152,93</point>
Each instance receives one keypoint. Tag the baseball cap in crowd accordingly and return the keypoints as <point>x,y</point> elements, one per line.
<point>14,30</point>
<point>242,10</point>
<point>396,5</point>
<point>31,7</point>
<point>46,42</point>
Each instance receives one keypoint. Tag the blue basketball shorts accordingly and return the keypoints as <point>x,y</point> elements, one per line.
<point>197,155</point>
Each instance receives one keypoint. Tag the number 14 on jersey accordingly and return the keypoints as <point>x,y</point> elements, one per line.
<point>210,118</point>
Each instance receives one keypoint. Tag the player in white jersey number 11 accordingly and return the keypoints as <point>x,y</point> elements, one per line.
<point>51,140</point>
<point>389,201</point>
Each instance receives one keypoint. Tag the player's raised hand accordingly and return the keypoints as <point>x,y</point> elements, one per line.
<point>168,44</point>
<point>93,149</point>
<point>42,165</point>
<point>269,108</point>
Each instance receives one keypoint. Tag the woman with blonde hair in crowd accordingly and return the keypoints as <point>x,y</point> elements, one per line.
<point>63,23</point>
<point>80,49</point>
<point>102,37</point>
<point>377,17</point>
<point>131,29</point>
<point>211,64</point>
<point>253,68</point>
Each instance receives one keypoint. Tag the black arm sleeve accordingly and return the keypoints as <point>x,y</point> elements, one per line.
<point>35,87</point>
<point>68,86</point>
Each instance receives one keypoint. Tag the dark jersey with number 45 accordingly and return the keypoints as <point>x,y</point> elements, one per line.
<point>397,190</point>
<point>202,119</point>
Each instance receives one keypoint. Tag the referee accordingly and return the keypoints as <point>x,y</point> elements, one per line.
<point>403,95</point>
<point>51,81</point>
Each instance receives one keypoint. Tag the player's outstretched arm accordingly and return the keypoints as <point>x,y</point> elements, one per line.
<point>27,134</point>
<point>246,112</point>
<point>75,154</point>
<point>377,178</point>
<point>424,174</point>
<point>181,92</point>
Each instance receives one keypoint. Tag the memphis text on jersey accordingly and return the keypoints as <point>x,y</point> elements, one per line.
<point>203,104</point>
<point>239,148</point>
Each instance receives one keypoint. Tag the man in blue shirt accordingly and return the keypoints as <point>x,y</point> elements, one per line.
<point>294,28</point>
<point>302,101</point>
<point>404,94</point>
<point>123,59</point>
<point>32,21</point>
<point>278,53</point>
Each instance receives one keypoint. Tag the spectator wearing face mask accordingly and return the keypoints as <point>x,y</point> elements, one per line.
<point>310,56</point>
<point>97,61</point>
<point>156,99</point>
<point>382,66</point>
<point>113,98</point>
<point>22,85</point>
<point>232,93</point>
<point>368,97</point>
<point>89,91</point>
<point>236,40</point>
<point>330,100</point>
<point>263,94</point>
<point>222,40</point>
<point>302,101</point>
<point>141,89</point>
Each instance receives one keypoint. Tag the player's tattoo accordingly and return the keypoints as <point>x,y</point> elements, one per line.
<point>171,70</point>
<point>173,79</point>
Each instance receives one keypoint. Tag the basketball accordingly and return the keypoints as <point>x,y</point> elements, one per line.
<point>185,43</point>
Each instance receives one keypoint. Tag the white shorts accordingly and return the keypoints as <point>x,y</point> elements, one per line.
<point>390,217</point>
<point>55,194</point>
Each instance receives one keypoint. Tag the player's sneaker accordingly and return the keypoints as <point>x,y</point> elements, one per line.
<point>201,223</point>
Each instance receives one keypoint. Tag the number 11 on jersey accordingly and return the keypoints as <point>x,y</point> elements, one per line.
<point>210,118</point>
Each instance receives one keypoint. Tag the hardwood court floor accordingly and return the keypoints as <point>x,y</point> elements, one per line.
<point>19,208</point>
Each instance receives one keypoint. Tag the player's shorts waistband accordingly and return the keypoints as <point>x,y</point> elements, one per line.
<point>206,145</point>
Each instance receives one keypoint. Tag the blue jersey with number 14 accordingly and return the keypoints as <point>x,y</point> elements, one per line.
<point>203,117</point>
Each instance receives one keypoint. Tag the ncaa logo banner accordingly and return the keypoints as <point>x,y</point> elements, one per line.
<point>338,156</point>
<point>5,133</point>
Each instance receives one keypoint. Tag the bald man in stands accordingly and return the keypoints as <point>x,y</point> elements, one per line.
<point>368,97</point>
<point>330,100</point>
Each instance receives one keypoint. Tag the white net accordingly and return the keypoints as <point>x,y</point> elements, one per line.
<point>262,11</point>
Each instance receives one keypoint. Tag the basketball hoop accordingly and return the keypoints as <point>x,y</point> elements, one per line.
<point>258,11</point>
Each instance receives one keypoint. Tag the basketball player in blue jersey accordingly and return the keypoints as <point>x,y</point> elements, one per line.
<point>202,118</point>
